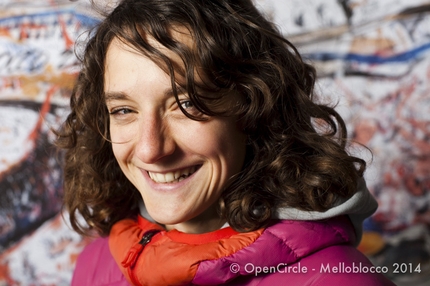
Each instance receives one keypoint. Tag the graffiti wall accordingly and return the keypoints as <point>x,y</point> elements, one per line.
<point>38,66</point>
<point>373,61</point>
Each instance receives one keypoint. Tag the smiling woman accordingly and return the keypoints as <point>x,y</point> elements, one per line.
<point>191,144</point>
<point>180,166</point>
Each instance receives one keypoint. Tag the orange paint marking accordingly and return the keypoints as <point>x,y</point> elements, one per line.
<point>43,111</point>
<point>67,40</point>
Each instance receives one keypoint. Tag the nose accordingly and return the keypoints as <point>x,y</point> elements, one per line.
<point>155,140</point>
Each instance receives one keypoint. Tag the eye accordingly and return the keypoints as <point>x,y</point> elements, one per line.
<point>120,111</point>
<point>186,104</point>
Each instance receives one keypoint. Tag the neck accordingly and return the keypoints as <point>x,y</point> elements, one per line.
<point>208,221</point>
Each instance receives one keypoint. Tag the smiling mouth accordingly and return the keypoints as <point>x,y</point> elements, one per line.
<point>173,177</point>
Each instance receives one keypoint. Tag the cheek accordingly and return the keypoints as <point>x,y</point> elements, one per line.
<point>235,146</point>
<point>116,147</point>
<point>207,138</point>
<point>120,134</point>
<point>221,140</point>
<point>119,153</point>
<point>122,140</point>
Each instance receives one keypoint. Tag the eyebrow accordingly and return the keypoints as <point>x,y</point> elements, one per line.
<point>114,95</point>
<point>110,96</point>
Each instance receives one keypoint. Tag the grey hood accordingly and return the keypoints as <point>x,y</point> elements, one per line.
<point>359,207</point>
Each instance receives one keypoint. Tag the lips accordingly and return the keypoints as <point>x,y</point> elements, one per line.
<point>172,177</point>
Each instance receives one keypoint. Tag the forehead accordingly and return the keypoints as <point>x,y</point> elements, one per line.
<point>177,38</point>
<point>181,50</point>
<point>125,67</point>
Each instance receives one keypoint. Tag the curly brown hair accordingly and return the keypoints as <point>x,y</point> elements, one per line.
<point>295,154</point>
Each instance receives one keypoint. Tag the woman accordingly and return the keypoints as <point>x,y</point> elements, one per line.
<point>195,144</point>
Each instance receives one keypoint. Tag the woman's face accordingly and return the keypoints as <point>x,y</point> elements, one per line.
<point>180,166</point>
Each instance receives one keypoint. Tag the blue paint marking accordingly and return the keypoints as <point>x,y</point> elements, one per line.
<point>371,59</point>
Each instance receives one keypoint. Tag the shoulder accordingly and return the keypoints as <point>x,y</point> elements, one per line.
<point>312,253</point>
<point>342,263</point>
<point>333,265</point>
<point>95,266</point>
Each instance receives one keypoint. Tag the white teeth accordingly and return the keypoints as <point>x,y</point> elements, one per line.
<point>169,177</point>
<point>172,177</point>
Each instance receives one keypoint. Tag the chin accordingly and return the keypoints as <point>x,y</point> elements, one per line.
<point>167,220</point>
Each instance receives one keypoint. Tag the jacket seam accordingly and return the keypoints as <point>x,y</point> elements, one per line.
<point>338,233</point>
<point>285,244</point>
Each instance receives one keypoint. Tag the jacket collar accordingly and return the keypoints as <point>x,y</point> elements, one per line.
<point>283,242</point>
<point>182,258</point>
